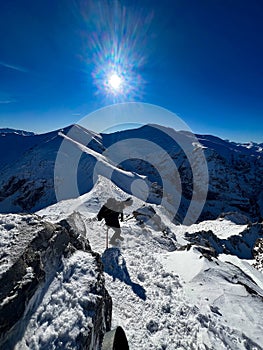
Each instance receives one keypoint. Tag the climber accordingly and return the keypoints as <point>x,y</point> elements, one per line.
<point>110,212</point>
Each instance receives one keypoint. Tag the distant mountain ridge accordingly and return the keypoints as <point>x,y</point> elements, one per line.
<point>5,131</point>
<point>251,148</point>
<point>15,143</point>
<point>27,169</point>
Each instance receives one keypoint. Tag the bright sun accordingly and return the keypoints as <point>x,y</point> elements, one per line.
<point>115,81</point>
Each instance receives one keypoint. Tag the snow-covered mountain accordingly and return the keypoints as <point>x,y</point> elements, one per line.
<point>171,285</point>
<point>168,291</point>
<point>27,171</point>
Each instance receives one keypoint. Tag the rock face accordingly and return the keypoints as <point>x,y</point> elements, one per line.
<point>52,286</point>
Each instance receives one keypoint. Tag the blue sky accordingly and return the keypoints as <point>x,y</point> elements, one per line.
<point>199,59</point>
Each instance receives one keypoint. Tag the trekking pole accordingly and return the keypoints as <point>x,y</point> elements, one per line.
<point>107,238</point>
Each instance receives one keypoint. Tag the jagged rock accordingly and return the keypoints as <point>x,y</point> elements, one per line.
<point>152,326</point>
<point>32,254</point>
<point>11,186</point>
<point>240,245</point>
<point>258,254</point>
<point>206,242</point>
<point>147,214</point>
<point>166,243</point>
<point>206,252</point>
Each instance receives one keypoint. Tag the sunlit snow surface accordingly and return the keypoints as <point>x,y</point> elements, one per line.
<point>191,302</point>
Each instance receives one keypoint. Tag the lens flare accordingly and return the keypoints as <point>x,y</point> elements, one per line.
<point>117,43</point>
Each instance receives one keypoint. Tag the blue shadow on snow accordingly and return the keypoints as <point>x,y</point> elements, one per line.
<point>114,265</point>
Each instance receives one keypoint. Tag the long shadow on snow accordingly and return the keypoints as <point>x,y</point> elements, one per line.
<point>115,266</point>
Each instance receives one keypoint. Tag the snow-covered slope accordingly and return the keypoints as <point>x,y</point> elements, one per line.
<point>170,292</point>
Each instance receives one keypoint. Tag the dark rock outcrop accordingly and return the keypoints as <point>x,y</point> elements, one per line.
<point>258,254</point>
<point>240,245</point>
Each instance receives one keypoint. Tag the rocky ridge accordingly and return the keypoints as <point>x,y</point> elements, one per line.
<point>37,256</point>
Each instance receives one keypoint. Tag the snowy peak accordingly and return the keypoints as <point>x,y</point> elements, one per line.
<point>224,147</point>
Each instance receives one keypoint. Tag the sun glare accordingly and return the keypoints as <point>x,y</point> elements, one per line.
<point>115,81</point>
<point>118,44</point>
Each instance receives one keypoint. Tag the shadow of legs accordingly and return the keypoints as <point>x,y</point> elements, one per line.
<point>115,266</point>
